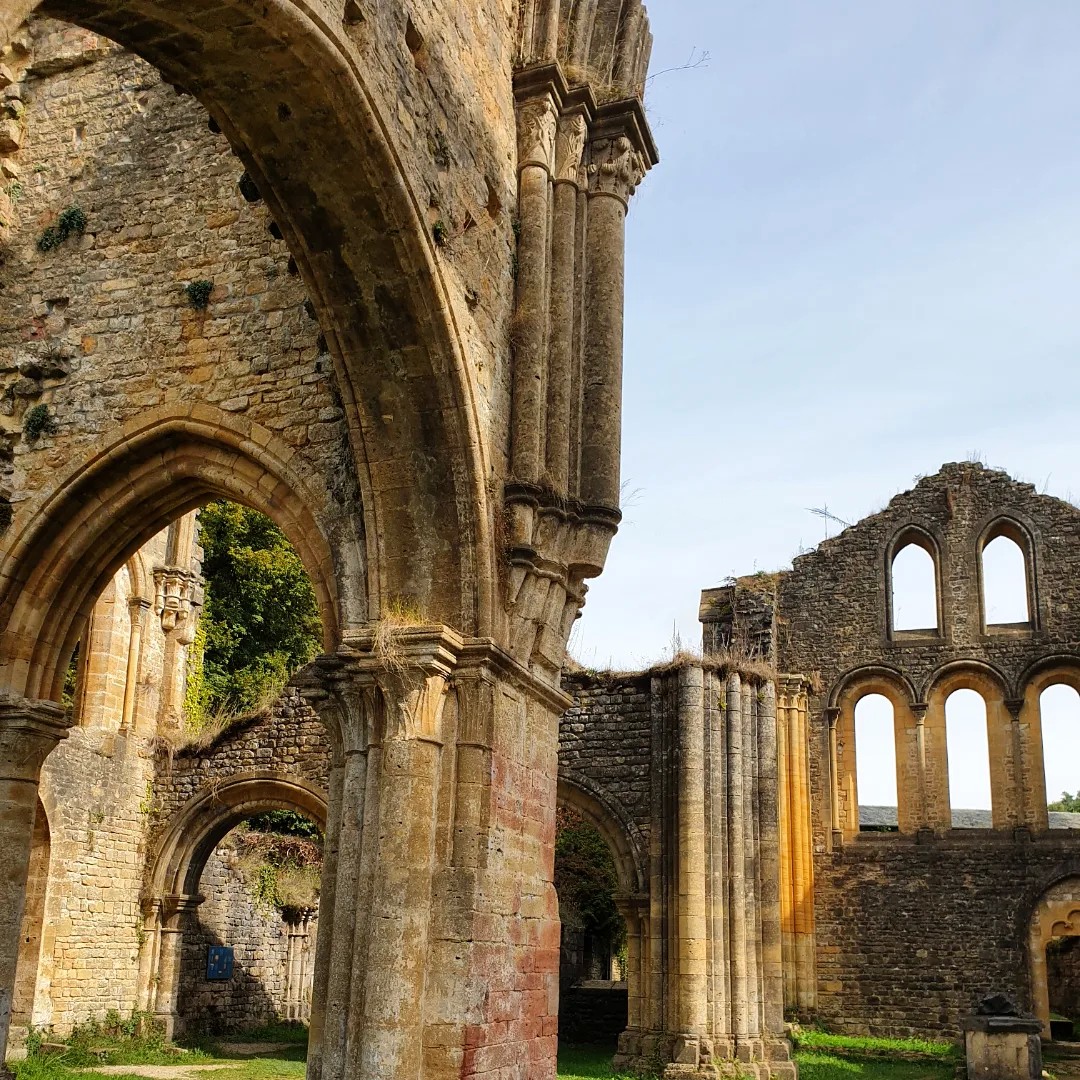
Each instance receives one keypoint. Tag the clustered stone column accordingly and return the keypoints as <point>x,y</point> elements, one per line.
<point>28,731</point>
<point>710,981</point>
<point>579,162</point>
<point>437,953</point>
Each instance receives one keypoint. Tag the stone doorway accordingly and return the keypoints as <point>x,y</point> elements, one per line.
<point>1055,955</point>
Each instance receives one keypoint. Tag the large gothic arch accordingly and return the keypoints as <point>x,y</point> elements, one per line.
<point>286,86</point>
<point>468,289</point>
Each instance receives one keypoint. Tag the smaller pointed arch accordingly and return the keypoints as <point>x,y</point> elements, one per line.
<point>1006,569</point>
<point>914,583</point>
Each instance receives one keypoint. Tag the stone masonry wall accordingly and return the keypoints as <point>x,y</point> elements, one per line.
<point>605,741</point>
<point>94,788</point>
<point>99,328</point>
<point>289,740</point>
<point>912,935</point>
<point>257,993</point>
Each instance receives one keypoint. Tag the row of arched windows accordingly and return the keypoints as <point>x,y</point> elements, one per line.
<point>1003,577</point>
<point>968,751</point>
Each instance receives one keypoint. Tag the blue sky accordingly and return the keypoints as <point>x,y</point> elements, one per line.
<point>857,259</point>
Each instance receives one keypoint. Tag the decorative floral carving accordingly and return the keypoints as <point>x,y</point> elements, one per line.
<point>569,147</point>
<point>615,167</point>
<point>537,121</point>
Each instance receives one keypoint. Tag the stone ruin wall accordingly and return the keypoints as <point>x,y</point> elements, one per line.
<point>912,930</point>
<point>94,791</point>
<point>96,794</point>
<point>260,989</point>
<point>99,329</point>
<point>289,741</point>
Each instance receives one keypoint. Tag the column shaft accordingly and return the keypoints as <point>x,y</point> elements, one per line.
<point>601,420</point>
<point>693,983</point>
<point>529,335</point>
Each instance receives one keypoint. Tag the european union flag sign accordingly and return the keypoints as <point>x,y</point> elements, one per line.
<point>219,962</point>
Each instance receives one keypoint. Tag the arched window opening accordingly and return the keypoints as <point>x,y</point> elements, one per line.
<point>1059,708</point>
<point>1005,583</point>
<point>875,763</point>
<point>1063,987</point>
<point>914,589</point>
<point>248,953</point>
<point>593,944</point>
<point>968,747</point>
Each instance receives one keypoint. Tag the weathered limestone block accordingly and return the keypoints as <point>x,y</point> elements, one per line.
<point>1002,1047</point>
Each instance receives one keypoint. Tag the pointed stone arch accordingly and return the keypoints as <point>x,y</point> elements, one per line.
<point>72,541</point>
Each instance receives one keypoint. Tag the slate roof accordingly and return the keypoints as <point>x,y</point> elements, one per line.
<point>884,817</point>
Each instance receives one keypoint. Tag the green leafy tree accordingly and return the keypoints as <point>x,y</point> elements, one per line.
<point>260,619</point>
<point>1068,803</point>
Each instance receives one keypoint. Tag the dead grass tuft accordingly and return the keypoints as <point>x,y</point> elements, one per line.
<point>399,615</point>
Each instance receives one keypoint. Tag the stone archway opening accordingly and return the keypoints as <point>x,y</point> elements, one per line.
<point>196,633</point>
<point>262,885</point>
<point>1063,987</point>
<point>593,941</point>
<point>248,954</point>
<point>599,881</point>
<point>1054,950</point>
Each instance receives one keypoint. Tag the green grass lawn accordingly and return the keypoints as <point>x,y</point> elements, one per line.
<point>821,1061</point>
<point>820,1057</point>
<point>586,1063</point>
<point>820,1065</point>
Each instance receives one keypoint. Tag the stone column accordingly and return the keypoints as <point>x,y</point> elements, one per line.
<point>691,960</point>
<point>176,602</point>
<point>386,713</point>
<point>175,910</point>
<point>634,910</point>
<point>615,169</point>
<point>137,608</point>
<point>28,731</point>
<point>787,855</point>
<point>768,808</point>
<point>537,120</point>
<point>740,1020</point>
<point>832,716</point>
<point>327,892</point>
<point>565,329</point>
<point>149,954</point>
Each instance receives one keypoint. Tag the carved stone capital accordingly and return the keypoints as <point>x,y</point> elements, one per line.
<point>537,120</point>
<point>792,689</point>
<point>570,149</point>
<point>615,167</point>
<point>177,601</point>
<point>28,732</point>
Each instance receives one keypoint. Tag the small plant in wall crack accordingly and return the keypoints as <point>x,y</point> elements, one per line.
<point>71,222</point>
<point>440,232</point>
<point>198,293</point>
<point>39,421</point>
